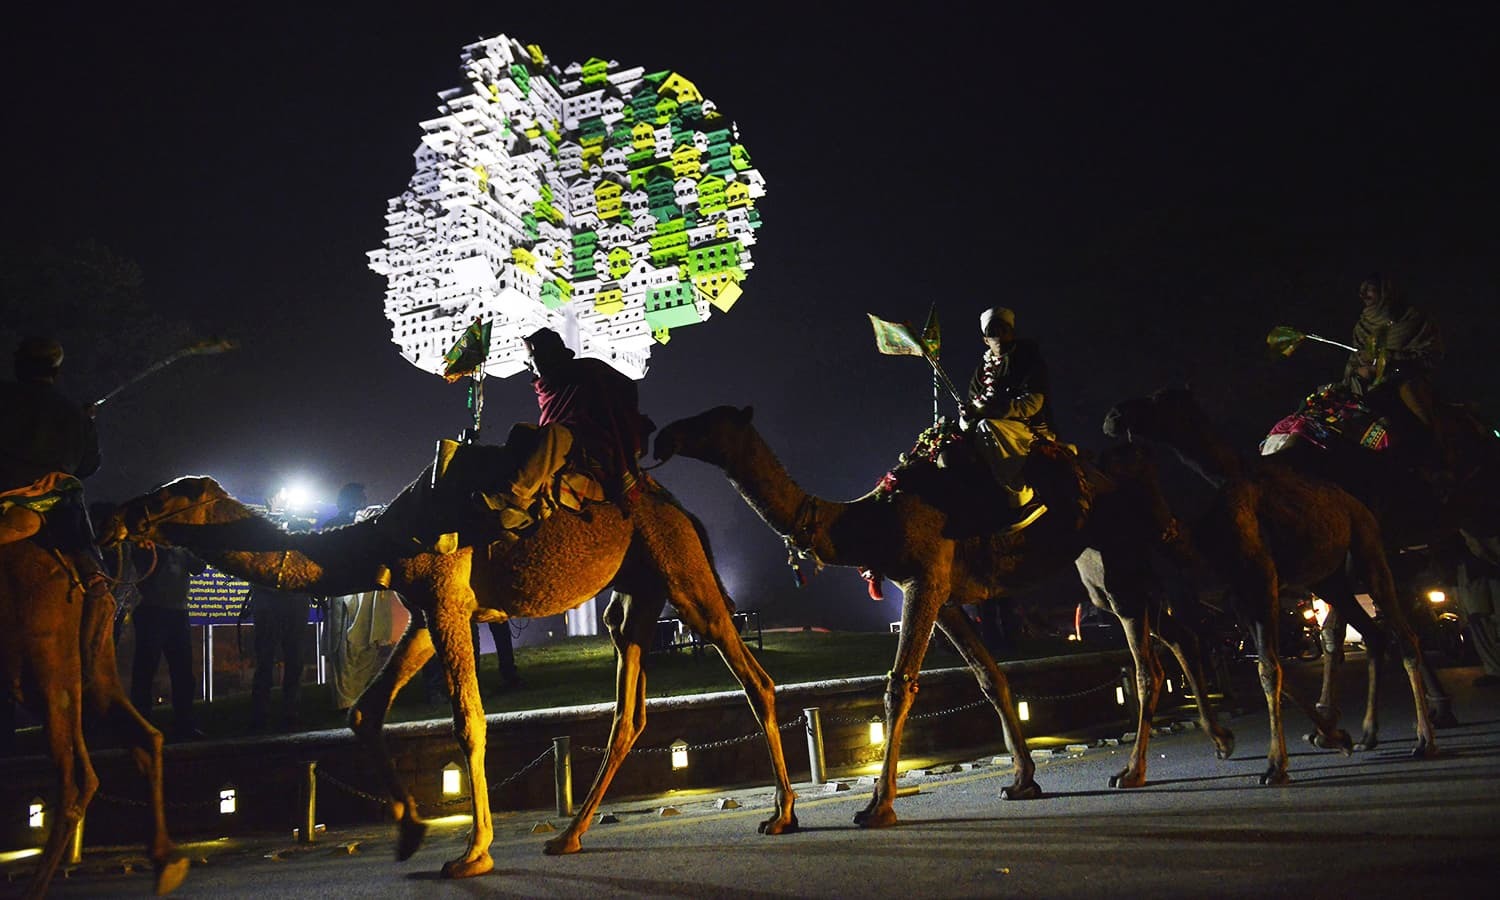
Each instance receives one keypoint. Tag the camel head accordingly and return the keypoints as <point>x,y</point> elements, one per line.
<point>1159,417</point>
<point>189,500</point>
<point>706,436</point>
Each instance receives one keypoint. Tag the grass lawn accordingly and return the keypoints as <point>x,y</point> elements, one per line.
<point>576,671</point>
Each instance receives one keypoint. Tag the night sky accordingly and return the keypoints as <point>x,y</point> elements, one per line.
<point>1150,191</point>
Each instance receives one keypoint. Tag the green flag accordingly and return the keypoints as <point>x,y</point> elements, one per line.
<point>932,335</point>
<point>895,339</point>
<point>469,352</point>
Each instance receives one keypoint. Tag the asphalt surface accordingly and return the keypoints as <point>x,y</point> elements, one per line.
<point>1373,824</point>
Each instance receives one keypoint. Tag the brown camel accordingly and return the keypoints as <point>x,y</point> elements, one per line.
<point>57,656</point>
<point>942,561</point>
<point>1270,528</point>
<point>1415,507</point>
<point>650,551</point>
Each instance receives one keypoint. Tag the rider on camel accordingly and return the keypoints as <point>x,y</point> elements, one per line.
<point>1009,390</point>
<point>1399,348</point>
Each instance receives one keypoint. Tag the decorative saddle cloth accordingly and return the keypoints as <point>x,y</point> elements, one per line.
<point>1327,416</point>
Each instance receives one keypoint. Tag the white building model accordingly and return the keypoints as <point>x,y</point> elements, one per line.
<point>608,204</point>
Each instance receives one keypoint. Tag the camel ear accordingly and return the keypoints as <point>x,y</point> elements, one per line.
<point>746,414</point>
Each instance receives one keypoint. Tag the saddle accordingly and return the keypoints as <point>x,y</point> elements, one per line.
<point>23,510</point>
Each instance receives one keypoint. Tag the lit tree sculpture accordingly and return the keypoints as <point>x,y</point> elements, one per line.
<point>610,204</point>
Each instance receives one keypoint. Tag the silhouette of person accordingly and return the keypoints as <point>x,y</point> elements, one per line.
<point>280,619</point>
<point>162,629</point>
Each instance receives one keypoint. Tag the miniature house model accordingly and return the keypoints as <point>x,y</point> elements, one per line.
<point>607,203</point>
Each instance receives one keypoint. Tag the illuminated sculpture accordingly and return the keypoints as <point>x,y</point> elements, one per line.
<point>607,203</point>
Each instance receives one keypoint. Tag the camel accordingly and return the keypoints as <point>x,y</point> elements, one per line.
<point>57,655</point>
<point>1268,528</point>
<point>1413,512</point>
<point>650,549</point>
<point>942,561</point>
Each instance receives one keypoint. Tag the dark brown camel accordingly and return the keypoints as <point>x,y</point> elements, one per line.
<point>650,552</point>
<point>57,656</point>
<point>1270,528</point>
<point>1415,508</point>
<point>941,563</point>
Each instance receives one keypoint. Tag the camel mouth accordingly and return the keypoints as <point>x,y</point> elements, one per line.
<point>664,447</point>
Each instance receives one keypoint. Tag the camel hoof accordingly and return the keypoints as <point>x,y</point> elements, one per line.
<point>1224,744</point>
<point>562,845</point>
<point>1424,750</point>
<point>1275,776</point>
<point>409,836</point>
<point>883,817</point>
<point>1029,791</point>
<point>468,868</point>
<point>1336,740</point>
<point>778,825</point>
<point>170,874</point>
<point>1123,779</point>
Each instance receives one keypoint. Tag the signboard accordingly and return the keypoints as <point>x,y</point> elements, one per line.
<point>215,598</point>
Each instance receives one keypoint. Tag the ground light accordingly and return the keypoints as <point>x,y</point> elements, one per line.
<point>36,815</point>
<point>1120,696</point>
<point>453,780</point>
<point>226,800</point>
<point>679,754</point>
<point>877,731</point>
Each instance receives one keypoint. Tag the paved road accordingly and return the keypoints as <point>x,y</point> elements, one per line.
<point>1372,825</point>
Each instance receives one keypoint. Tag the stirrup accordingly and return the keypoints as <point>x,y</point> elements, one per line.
<point>1034,513</point>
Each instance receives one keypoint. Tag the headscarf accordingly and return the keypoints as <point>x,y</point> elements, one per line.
<point>1392,332</point>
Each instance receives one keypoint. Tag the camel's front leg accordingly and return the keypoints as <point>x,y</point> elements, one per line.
<point>455,646</point>
<point>1148,683</point>
<point>367,720</point>
<point>629,630</point>
<point>918,616</point>
<point>996,688</point>
<point>76,781</point>
<point>714,622</point>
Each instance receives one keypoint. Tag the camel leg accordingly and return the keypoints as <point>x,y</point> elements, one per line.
<point>106,699</point>
<point>1376,644</point>
<point>76,781</point>
<point>629,630</point>
<point>918,616</point>
<point>454,641</point>
<point>367,721</point>
<point>996,688</point>
<point>1333,633</point>
<point>1185,646</point>
<point>713,621</point>
<point>1148,682</point>
<point>1371,554</point>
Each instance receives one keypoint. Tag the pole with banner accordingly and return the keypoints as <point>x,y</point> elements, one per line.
<point>466,358</point>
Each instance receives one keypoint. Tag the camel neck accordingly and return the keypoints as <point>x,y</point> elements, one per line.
<point>781,503</point>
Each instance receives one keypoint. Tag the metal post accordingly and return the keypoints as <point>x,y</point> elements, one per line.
<point>814,743</point>
<point>562,774</point>
<point>75,846</point>
<point>208,663</point>
<point>310,819</point>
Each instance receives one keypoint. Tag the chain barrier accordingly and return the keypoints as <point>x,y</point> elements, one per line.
<point>349,788</point>
<point>1030,698</point>
<point>142,804</point>
<point>798,722</point>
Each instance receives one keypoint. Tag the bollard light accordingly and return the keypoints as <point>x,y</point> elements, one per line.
<point>1023,709</point>
<point>1169,685</point>
<point>36,813</point>
<point>453,780</point>
<point>877,731</point>
<point>679,754</point>
<point>1120,695</point>
<point>226,801</point>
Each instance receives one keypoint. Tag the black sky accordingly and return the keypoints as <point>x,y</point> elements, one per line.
<point>1152,191</point>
